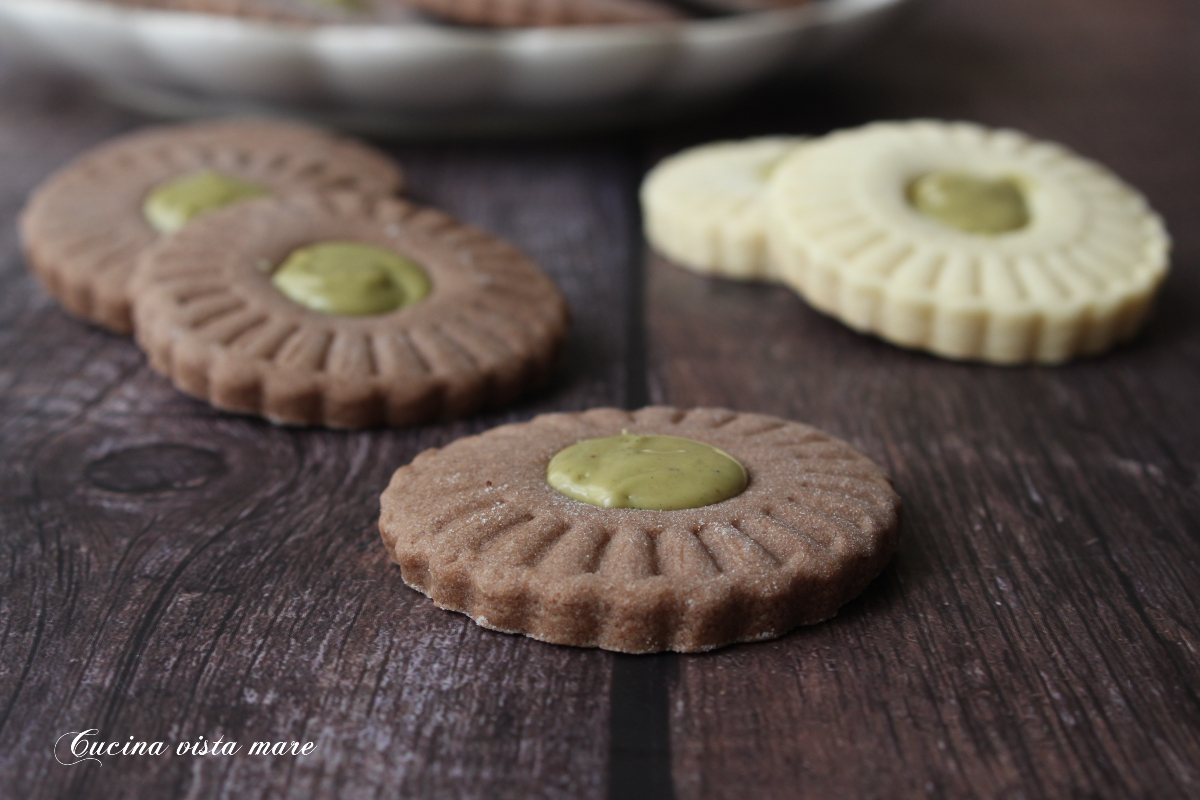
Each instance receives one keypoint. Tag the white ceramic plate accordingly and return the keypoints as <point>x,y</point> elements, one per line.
<point>424,78</point>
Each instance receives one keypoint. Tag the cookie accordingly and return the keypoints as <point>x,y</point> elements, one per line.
<point>312,12</point>
<point>85,226</point>
<point>705,208</point>
<point>474,325</point>
<point>967,242</point>
<point>549,13</point>
<point>478,528</point>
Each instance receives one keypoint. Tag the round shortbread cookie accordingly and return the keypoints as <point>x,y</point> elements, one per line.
<point>477,528</point>
<point>705,208</point>
<point>209,316</point>
<point>1077,278</point>
<point>84,227</point>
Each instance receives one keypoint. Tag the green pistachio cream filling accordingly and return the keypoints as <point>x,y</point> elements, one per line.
<point>174,204</point>
<point>970,203</point>
<point>350,279</point>
<point>655,473</point>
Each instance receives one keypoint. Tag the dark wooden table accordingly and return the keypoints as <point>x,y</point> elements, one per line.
<point>170,572</point>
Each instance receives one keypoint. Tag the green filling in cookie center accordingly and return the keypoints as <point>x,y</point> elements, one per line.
<point>350,279</point>
<point>969,203</point>
<point>767,170</point>
<point>656,473</point>
<point>174,204</point>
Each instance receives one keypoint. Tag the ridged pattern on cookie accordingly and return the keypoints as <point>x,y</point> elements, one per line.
<point>476,527</point>
<point>83,228</point>
<point>705,208</point>
<point>549,13</point>
<point>1080,277</point>
<point>209,317</point>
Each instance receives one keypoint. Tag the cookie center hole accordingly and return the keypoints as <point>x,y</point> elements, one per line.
<point>971,203</point>
<point>350,279</point>
<point>172,205</point>
<point>656,473</point>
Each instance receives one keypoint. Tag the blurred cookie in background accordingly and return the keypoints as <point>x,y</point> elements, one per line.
<point>293,11</point>
<point>85,226</point>
<point>550,13</point>
<point>705,207</point>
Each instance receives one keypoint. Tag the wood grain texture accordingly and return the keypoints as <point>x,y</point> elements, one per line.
<point>1036,634</point>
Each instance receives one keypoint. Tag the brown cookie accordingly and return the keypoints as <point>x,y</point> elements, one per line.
<point>290,11</point>
<point>210,318</point>
<point>549,13</point>
<point>84,228</point>
<point>476,527</point>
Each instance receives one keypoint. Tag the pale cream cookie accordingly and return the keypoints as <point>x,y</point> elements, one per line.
<point>704,208</point>
<point>968,242</point>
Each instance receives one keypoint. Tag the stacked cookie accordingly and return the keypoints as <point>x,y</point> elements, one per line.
<point>268,268</point>
<point>963,241</point>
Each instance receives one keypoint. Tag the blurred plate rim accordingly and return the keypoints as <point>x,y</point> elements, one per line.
<point>424,75</point>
